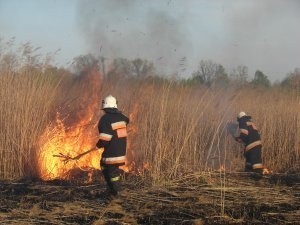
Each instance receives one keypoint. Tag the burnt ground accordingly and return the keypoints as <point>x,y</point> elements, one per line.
<point>209,198</point>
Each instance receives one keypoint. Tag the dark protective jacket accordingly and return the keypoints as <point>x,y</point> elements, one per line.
<point>112,137</point>
<point>248,133</point>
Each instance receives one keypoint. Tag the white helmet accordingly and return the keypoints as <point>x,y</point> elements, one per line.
<point>109,102</point>
<point>241,114</point>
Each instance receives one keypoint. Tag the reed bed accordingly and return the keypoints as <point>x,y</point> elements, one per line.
<point>175,128</point>
<point>26,98</point>
<point>182,128</point>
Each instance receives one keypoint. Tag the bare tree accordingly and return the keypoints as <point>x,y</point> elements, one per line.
<point>240,73</point>
<point>292,80</point>
<point>121,67</point>
<point>208,72</point>
<point>142,68</point>
<point>137,67</point>
<point>85,62</point>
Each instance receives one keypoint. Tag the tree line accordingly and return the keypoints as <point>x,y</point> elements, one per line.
<point>208,72</point>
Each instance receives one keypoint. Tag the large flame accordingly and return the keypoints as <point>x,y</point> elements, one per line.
<point>73,133</point>
<point>57,140</point>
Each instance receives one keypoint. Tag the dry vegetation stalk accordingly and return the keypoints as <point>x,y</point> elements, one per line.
<point>25,101</point>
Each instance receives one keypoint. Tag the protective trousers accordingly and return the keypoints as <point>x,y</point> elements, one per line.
<point>112,176</point>
<point>253,160</point>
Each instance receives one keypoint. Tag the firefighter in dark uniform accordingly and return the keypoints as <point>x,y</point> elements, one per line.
<point>112,137</point>
<point>249,135</point>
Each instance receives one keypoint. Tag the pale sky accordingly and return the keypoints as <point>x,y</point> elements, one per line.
<point>260,34</point>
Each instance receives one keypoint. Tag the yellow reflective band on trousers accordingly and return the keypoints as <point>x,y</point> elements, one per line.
<point>115,179</point>
<point>257,166</point>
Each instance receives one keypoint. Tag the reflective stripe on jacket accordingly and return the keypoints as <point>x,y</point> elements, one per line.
<point>248,133</point>
<point>112,129</point>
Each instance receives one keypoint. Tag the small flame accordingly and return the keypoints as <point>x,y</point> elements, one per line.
<point>266,171</point>
<point>222,168</point>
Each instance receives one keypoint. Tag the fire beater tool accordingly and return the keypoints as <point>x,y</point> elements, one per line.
<point>67,158</point>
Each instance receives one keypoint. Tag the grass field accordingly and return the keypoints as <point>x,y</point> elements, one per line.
<point>177,133</point>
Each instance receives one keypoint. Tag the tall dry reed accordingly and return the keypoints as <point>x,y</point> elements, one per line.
<point>177,128</point>
<point>25,101</point>
<point>183,129</point>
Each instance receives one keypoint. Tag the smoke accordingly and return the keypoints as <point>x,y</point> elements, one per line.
<point>132,29</point>
<point>81,105</point>
<point>263,36</point>
<point>259,34</point>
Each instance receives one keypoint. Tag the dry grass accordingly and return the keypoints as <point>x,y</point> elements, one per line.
<point>183,129</point>
<point>25,101</point>
<point>177,128</point>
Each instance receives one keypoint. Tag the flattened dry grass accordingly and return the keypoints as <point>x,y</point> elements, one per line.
<point>192,199</point>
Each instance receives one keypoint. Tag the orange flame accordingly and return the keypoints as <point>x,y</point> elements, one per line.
<point>71,142</point>
<point>74,134</point>
<point>222,168</point>
<point>71,136</point>
<point>266,171</point>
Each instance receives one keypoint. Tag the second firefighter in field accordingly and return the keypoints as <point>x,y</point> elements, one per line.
<point>249,135</point>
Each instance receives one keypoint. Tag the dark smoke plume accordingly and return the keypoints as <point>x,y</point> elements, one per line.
<point>134,29</point>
